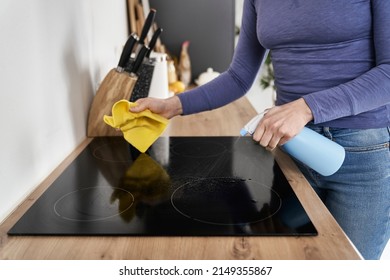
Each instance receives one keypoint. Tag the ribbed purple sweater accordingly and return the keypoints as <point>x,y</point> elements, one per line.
<point>333,53</point>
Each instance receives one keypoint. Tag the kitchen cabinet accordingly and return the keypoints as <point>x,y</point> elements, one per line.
<point>331,242</point>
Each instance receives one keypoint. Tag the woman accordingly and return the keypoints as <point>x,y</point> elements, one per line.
<point>332,73</point>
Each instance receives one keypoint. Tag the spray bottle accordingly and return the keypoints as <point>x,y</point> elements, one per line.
<point>316,151</point>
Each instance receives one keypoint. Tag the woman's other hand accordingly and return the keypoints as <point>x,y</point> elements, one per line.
<point>281,123</point>
<point>167,108</point>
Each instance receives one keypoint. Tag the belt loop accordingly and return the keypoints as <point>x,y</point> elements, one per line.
<point>327,132</point>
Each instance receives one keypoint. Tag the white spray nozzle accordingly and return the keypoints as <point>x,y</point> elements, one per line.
<point>250,127</point>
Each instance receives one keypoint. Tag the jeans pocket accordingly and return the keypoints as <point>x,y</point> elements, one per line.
<point>365,140</point>
<point>371,148</point>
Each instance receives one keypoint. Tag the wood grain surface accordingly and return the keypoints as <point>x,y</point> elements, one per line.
<point>331,242</point>
<point>114,87</point>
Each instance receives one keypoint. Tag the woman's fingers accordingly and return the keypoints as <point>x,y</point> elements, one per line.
<point>281,123</point>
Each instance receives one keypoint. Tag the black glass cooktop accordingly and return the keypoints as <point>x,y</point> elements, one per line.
<point>182,186</point>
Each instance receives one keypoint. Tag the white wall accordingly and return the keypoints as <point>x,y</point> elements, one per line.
<point>53,54</point>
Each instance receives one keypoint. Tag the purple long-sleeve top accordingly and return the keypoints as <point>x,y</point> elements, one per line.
<point>333,53</point>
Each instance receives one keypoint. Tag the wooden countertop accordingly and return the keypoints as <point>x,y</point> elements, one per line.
<point>331,242</point>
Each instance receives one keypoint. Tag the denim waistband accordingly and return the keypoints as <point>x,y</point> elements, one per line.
<point>351,137</point>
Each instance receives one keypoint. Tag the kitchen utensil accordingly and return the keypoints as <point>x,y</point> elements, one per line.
<point>118,84</point>
<point>145,29</point>
<point>135,65</point>
<point>142,86</point>
<point>159,86</point>
<point>153,41</point>
<point>141,130</point>
<point>131,13</point>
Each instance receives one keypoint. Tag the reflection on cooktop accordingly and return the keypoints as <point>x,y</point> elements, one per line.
<point>225,201</point>
<point>182,186</point>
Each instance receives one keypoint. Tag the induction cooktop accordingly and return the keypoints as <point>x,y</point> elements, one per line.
<point>182,186</point>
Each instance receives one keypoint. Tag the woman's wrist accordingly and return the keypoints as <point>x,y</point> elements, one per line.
<point>305,109</point>
<point>174,106</point>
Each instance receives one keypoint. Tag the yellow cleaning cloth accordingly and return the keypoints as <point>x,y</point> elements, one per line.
<point>139,129</point>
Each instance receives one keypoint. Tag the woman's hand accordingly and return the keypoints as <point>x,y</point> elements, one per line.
<point>167,108</point>
<point>281,123</point>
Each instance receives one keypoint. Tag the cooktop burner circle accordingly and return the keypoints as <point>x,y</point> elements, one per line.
<point>226,201</point>
<point>101,204</point>
<point>199,149</point>
<point>115,151</point>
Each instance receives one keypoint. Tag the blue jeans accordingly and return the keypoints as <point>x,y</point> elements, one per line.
<point>358,194</point>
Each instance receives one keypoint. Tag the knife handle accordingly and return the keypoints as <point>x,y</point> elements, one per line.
<point>139,59</point>
<point>148,23</point>
<point>127,49</point>
<point>153,41</point>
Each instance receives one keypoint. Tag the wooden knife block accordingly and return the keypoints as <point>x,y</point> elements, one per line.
<point>115,86</point>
